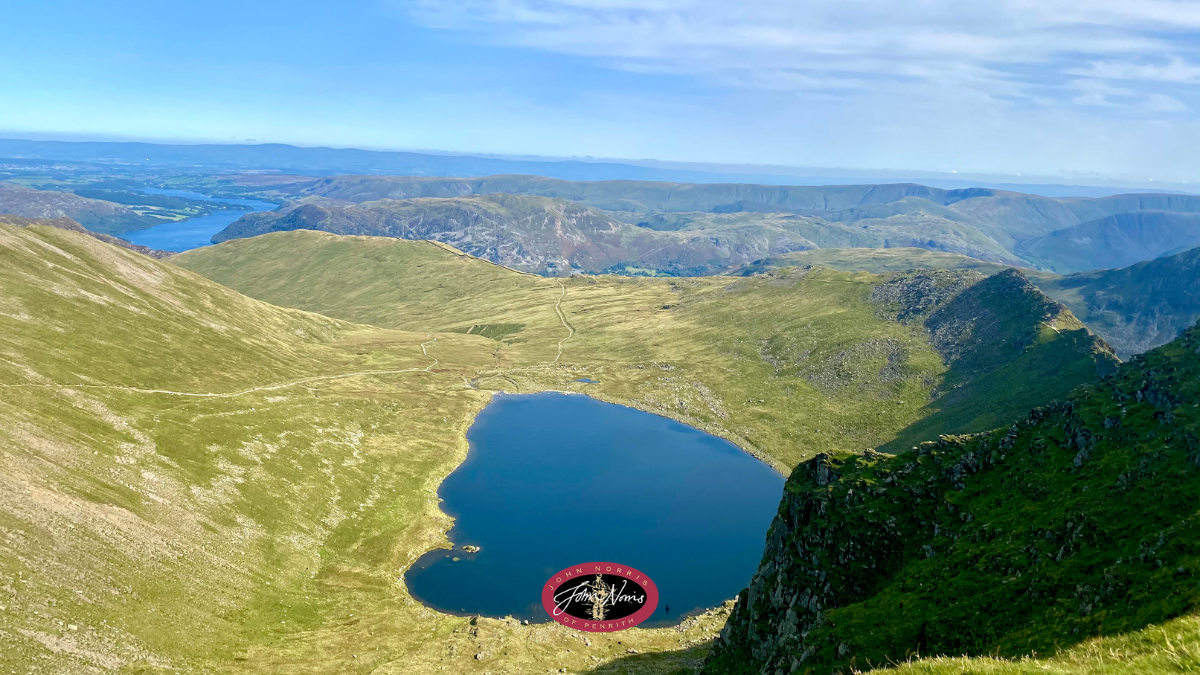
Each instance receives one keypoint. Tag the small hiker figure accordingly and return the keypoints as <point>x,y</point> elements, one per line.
<point>667,609</point>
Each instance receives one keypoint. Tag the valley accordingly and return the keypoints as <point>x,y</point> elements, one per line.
<point>284,467</point>
<point>244,443</point>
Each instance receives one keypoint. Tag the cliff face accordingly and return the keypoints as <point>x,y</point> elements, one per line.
<point>1080,519</point>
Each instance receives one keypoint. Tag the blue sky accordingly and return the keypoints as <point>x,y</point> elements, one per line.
<point>1067,89</point>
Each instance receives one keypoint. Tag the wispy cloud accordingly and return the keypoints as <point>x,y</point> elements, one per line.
<point>1043,51</point>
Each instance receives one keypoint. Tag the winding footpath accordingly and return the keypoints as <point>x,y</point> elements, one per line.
<point>562,317</point>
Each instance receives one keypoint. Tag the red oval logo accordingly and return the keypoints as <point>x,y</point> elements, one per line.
<point>600,597</point>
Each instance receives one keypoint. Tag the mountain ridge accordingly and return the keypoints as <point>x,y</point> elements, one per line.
<point>989,224</point>
<point>874,558</point>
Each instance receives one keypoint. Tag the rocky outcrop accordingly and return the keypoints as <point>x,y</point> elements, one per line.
<point>1077,520</point>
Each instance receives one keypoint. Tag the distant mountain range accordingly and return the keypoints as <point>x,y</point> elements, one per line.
<point>320,161</point>
<point>737,219</point>
<point>557,227</point>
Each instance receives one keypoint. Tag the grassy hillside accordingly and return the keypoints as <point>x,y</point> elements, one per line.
<point>1077,521</point>
<point>1135,308</point>
<point>68,224</point>
<point>992,349</point>
<point>873,260</point>
<point>191,480</point>
<point>785,365</point>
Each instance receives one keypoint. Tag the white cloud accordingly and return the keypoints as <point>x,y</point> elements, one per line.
<point>1036,50</point>
<point>1175,70</point>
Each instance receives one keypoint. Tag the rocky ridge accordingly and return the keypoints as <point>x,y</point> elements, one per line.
<point>1077,520</point>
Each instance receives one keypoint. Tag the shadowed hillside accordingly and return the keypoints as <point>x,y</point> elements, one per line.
<point>1077,520</point>
<point>1139,307</point>
<point>1115,241</point>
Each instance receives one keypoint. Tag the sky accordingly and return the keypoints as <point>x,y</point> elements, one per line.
<point>1072,89</point>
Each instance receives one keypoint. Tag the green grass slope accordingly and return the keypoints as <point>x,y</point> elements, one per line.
<point>994,351</point>
<point>1077,521</point>
<point>873,260</point>
<point>195,481</point>
<point>785,365</point>
<point>192,480</point>
<point>68,224</point>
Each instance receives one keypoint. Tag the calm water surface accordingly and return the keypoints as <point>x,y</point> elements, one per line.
<point>193,232</point>
<point>552,480</point>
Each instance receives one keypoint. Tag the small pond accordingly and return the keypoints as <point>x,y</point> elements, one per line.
<point>193,232</point>
<point>553,480</point>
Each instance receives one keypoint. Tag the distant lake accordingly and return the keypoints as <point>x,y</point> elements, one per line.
<point>193,232</point>
<point>553,480</point>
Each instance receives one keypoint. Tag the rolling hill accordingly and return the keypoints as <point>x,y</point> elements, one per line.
<point>872,260</point>
<point>192,480</point>
<point>1135,308</point>
<point>770,339</point>
<point>68,224</point>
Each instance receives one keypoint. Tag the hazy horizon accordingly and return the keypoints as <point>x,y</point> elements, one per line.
<point>1105,91</point>
<point>769,173</point>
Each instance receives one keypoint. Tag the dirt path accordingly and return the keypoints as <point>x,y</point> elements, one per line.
<point>562,317</point>
<point>235,394</point>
